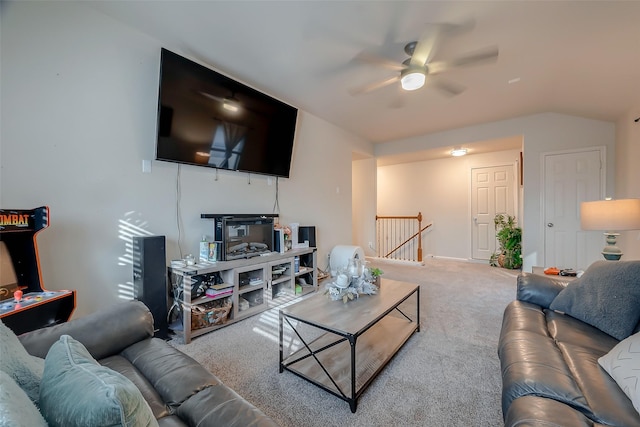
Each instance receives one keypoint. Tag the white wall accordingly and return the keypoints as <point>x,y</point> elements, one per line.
<point>364,183</point>
<point>542,133</point>
<point>628,174</point>
<point>441,190</point>
<point>78,102</point>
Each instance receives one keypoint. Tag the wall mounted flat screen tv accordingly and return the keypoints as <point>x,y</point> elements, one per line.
<point>208,119</point>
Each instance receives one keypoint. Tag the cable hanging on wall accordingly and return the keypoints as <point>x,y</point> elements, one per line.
<point>178,215</point>
<point>276,203</point>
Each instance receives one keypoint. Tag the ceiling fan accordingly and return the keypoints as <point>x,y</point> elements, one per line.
<point>413,72</point>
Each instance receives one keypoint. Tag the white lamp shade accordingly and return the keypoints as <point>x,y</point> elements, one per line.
<point>610,215</point>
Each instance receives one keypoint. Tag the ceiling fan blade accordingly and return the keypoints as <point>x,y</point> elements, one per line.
<point>373,59</point>
<point>398,102</point>
<point>459,28</point>
<point>430,37</point>
<point>373,86</point>
<point>425,47</point>
<point>486,55</point>
<point>448,88</point>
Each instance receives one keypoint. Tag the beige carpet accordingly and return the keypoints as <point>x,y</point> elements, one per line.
<point>448,374</point>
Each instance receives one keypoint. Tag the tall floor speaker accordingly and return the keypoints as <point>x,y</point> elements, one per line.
<point>307,233</point>
<point>150,279</point>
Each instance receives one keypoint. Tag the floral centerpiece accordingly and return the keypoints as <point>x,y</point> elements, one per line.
<point>346,287</point>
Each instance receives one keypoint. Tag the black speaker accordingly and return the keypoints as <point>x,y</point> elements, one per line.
<point>150,279</point>
<point>307,232</point>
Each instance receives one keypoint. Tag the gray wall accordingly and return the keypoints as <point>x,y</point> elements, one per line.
<point>541,133</point>
<point>79,100</point>
<point>628,174</point>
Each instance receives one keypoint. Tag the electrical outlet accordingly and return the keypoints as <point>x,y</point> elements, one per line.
<point>146,166</point>
<point>371,246</point>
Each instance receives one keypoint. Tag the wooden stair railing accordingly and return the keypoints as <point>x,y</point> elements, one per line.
<point>401,233</point>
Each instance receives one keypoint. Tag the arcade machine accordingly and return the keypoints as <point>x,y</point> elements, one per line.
<point>24,304</point>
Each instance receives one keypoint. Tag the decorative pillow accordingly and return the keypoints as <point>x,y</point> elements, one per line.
<point>25,369</point>
<point>78,391</point>
<point>16,410</point>
<point>623,364</point>
<point>607,296</point>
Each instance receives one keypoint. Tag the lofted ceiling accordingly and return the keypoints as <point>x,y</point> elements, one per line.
<point>574,57</point>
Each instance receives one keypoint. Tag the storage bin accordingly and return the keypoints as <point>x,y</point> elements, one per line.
<point>211,313</point>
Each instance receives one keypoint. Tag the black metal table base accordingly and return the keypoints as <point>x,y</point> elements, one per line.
<point>322,360</point>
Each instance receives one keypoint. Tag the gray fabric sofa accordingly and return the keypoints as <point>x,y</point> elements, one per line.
<point>549,363</point>
<point>179,391</point>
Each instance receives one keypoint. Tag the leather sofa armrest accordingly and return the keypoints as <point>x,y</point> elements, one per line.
<point>104,333</point>
<point>538,289</point>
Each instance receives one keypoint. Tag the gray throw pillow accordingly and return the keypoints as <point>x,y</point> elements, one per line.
<point>16,410</point>
<point>76,391</point>
<point>607,296</point>
<point>25,369</point>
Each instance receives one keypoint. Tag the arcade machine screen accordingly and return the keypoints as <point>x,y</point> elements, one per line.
<point>8,279</point>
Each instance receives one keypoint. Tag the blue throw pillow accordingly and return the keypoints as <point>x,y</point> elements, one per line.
<point>607,296</point>
<point>25,369</point>
<point>16,410</point>
<point>76,391</point>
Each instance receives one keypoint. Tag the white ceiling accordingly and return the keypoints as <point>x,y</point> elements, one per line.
<point>575,57</point>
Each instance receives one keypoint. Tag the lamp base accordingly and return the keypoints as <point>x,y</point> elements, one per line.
<point>611,252</point>
<point>611,257</point>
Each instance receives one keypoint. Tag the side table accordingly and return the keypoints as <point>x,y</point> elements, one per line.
<point>540,271</point>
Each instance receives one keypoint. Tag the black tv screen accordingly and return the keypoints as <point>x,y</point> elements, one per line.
<point>208,119</point>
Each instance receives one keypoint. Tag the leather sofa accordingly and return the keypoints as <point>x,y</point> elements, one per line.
<point>179,391</point>
<point>549,363</point>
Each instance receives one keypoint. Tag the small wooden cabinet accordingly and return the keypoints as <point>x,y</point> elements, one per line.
<point>238,289</point>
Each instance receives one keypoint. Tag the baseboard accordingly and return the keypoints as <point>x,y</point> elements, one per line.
<point>394,261</point>
<point>418,263</point>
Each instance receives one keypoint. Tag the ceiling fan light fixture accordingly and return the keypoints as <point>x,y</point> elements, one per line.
<point>457,152</point>
<point>413,79</point>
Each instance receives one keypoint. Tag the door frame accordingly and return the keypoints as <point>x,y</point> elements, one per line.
<point>516,199</point>
<point>543,177</point>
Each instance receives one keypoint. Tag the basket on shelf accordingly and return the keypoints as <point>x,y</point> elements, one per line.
<point>211,313</point>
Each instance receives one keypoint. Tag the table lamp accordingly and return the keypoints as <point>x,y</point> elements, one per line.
<point>610,216</point>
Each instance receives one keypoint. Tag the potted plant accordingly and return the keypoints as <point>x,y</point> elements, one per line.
<point>509,236</point>
<point>375,275</point>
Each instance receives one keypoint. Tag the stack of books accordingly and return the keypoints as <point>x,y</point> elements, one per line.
<point>219,290</point>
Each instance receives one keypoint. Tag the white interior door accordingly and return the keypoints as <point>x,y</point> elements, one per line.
<point>569,179</point>
<point>492,192</point>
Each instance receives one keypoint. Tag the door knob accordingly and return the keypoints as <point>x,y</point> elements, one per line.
<point>550,224</point>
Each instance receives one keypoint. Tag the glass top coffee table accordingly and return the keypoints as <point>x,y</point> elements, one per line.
<point>359,337</point>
